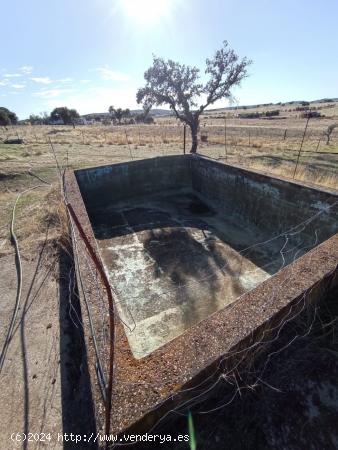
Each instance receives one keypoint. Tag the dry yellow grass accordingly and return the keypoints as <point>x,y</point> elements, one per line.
<point>253,143</point>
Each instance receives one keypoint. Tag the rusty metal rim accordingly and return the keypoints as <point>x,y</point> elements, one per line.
<point>106,284</point>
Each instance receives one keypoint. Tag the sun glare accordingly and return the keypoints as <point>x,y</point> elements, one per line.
<point>146,11</point>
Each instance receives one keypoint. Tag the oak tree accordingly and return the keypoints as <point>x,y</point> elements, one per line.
<point>179,86</point>
<point>67,115</point>
<point>118,113</point>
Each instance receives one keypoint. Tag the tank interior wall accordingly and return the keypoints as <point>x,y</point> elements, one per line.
<point>103,185</point>
<point>271,204</point>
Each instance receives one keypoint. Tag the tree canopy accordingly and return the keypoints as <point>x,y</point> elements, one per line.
<point>7,117</point>
<point>67,115</point>
<point>179,86</point>
<point>118,113</point>
<point>144,116</point>
<point>39,119</point>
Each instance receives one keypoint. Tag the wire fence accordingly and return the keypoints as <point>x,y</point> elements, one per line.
<point>293,150</point>
<point>220,132</point>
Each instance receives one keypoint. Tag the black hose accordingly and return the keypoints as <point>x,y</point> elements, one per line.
<point>18,264</point>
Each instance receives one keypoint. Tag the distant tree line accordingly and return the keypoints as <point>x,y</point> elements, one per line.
<point>39,119</point>
<point>71,117</point>
<point>257,115</point>
<point>118,115</point>
<point>64,114</point>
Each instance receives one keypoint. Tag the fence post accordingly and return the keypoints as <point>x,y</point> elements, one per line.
<point>127,139</point>
<point>300,148</point>
<point>184,137</point>
<point>225,139</point>
<point>139,134</point>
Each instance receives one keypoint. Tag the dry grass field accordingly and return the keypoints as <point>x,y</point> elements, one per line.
<point>270,145</point>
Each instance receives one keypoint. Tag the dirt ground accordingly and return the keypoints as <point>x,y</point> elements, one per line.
<point>30,379</point>
<point>42,385</point>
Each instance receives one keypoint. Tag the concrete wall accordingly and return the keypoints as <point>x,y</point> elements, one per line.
<point>192,357</point>
<point>102,185</point>
<point>268,203</point>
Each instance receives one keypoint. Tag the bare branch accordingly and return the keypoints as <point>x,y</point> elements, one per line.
<point>226,71</point>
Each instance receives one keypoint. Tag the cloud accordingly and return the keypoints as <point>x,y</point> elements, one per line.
<point>12,75</point>
<point>42,80</point>
<point>26,69</point>
<point>47,80</point>
<point>112,75</point>
<point>52,93</point>
<point>65,80</point>
<point>3,82</point>
<point>96,99</point>
<point>18,86</point>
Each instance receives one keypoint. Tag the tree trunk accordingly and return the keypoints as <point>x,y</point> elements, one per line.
<point>194,138</point>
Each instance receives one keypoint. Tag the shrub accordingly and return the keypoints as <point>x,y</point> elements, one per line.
<point>310,114</point>
<point>274,112</point>
<point>253,115</point>
<point>329,131</point>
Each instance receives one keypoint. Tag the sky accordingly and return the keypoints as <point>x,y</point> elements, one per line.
<point>91,54</point>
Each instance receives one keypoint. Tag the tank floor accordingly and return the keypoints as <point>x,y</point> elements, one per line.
<point>173,260</point>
